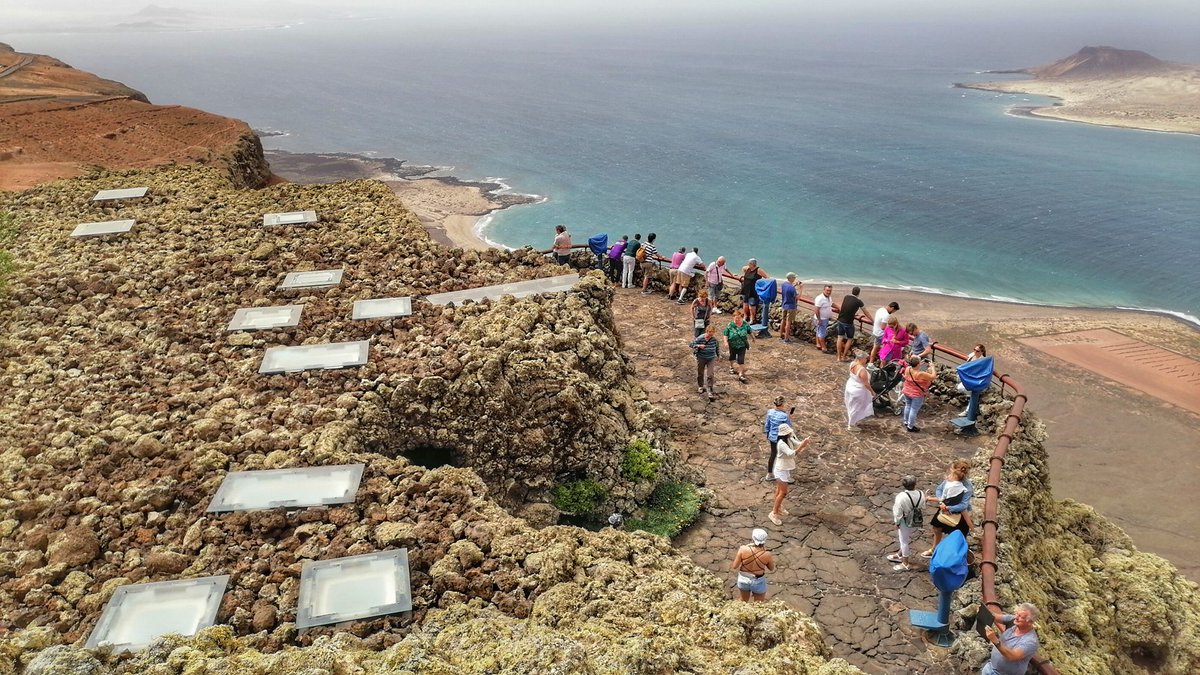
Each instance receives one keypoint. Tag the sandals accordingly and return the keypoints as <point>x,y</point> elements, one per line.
<point>927,554</point>
<point>732,371</point>
<point>902,567</point>
<point>774,518</point>
<point>895,557</point>
<point>742,379</point>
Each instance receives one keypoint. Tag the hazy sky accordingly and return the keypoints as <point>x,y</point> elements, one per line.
<point>1168,28</point>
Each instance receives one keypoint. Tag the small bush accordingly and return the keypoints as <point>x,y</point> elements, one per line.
<point>672,507</point>
<point>641,462</point>
<point>580,497</point>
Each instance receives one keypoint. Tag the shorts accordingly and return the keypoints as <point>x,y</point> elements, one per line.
<point>784,475</point>
<point>845,330</point>
<point>738,355</point>
<point>562,259</point>
<point>751,300</point>
<point>822,328</point>
<point>878,339</point>
<point>683,278</point>
<point>756,585</point>
<point>789,315</point>
<point>647,265</point>
<point>961,527</point>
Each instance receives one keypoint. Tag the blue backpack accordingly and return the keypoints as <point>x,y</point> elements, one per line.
<point>766,290</point>
<point>948,566</point>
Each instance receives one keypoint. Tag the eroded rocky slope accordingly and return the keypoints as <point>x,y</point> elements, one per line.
<point>126,402</point>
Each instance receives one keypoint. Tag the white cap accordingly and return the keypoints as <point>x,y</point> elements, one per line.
<point>759,536</point>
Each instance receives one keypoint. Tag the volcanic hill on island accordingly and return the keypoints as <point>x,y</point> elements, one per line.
<point>481,426</point>
<point>1112,87</point>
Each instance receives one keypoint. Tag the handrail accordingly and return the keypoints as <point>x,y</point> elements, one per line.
<point>988,564</point>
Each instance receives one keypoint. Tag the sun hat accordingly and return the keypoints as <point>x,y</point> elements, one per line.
<point>759,536</point>
<point>786,429</point>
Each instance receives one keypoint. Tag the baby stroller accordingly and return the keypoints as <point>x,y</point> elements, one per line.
<point>885,382</point>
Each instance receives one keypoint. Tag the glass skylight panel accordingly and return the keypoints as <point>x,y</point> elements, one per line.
<point>517,289</point>
<point>260,318</point>
<point>315,357</point>
<point>122,193</point>
<point>290,218</point>
<point>313,279</point>
<point>287,488</point>
<point>138,613</point>
<point>382,308</point>
<point>100,229</point>
<point>357,587</point>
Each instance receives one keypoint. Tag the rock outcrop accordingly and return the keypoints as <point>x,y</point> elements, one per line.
<point>1101,62</point>
<point>128,402</point>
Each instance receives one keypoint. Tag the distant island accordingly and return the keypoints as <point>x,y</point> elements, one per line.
<point>1112,87</point>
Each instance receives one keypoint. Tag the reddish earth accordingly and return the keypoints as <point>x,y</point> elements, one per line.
<point>57,122</point>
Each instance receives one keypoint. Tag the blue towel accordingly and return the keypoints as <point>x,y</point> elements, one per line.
<point>766,290</point>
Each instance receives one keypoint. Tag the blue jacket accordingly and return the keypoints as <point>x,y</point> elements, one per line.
<point>771,425</point>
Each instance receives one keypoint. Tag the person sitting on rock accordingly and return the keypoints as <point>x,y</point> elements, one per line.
<point>752,563</point>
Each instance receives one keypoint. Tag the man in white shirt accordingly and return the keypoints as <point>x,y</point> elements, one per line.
<point>713,277</point>
<point>687,269</point>
<point>822,313</point>
<point>881,317</point>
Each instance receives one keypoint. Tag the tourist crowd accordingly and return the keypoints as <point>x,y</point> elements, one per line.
<point>899,357</point>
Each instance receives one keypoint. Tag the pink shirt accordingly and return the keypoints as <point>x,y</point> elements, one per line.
<point>677,258</point>
<point>714,273</point>
<point>562,243</point>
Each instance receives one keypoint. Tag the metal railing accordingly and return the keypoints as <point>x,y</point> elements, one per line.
<point>988,565</point>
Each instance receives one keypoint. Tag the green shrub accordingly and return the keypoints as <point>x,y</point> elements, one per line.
<point>641,462</point>
<point>672,507</point>
<point>581,497</point>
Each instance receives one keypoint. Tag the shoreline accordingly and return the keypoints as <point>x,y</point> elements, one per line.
<point>1141,102</point>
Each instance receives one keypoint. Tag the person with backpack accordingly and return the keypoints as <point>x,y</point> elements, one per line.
<point>906,514</point>
<point>628,259</point>
<point>646,257</point>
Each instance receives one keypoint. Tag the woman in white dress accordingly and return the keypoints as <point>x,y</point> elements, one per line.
<point>858,392</point>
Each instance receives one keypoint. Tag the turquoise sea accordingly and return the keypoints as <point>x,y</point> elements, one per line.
<point>852,163</point>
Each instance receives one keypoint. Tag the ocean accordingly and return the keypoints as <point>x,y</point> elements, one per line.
<point>844,160</point>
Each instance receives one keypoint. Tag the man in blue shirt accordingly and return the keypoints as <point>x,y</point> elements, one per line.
<point>790,291</point>
<point>1013,648</point>
<point>919,341</point>
<point>775,417</point>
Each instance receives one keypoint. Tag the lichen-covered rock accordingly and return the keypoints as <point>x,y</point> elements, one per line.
<point>116,348</point>
<point>1107,607</point>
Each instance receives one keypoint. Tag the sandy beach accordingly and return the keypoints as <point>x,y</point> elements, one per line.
<point>1168,102</point>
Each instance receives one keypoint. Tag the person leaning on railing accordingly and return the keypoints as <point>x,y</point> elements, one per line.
<point>1014,647</point>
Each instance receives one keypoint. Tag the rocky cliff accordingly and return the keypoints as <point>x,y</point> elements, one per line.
<point>128,403</point>
<point>56,122</point>
<point>1101,62</point>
